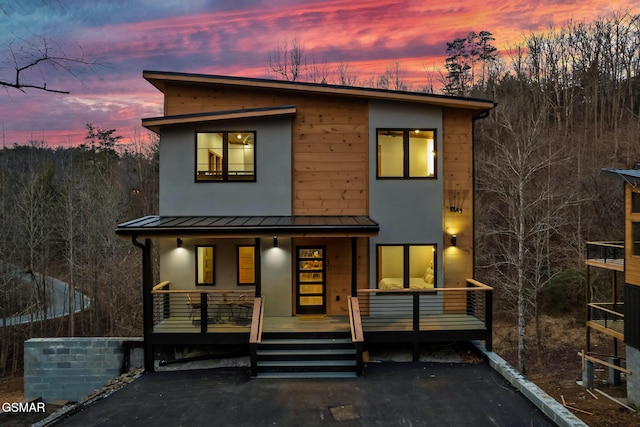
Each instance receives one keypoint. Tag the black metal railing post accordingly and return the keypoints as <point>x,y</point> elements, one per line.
<point>488,318</point>
<point>416,327</point>
<point>203,313</point>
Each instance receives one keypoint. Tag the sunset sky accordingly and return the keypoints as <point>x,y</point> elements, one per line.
<point>235,38</point>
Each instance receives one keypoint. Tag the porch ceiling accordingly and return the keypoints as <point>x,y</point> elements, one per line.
<point>248,226</point>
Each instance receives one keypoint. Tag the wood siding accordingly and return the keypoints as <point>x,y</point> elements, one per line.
<point>338,259</point>
<point>329,138</point>
<point>631,262</point>
<point>457,176</point>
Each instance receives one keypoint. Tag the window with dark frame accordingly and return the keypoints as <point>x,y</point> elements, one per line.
<point>205,266</point>
<point>225,156</point>
<point>246,256</point>
<point>406,153</point>
<point>636,237</point>
<point>635,202</point>
<point>406,266</point>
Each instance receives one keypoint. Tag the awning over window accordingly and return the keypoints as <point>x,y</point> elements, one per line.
<point>154,123</point>
<point>248,226</point>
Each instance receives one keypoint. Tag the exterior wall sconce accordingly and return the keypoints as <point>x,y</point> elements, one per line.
<point>179,242</point>
<point>454,240</point>
<point>275,241</point>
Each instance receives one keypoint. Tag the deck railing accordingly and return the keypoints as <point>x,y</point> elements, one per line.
<point>606,252</point>
<point>607,318</point>
<point>196,310</point>
<point>458,313</point>
<point>255,336</point>
<point>357,336</point>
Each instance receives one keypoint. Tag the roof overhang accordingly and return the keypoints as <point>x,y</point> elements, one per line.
<point>155,123</point>
<point>631,176</point>
<point>248,226</point>
<point>161,78</point>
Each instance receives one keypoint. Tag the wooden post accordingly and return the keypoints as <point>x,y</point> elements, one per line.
<point>258,267</point>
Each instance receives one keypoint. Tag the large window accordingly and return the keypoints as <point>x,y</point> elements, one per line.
<point>205,266</point>
<point>635,229</point>
<point>246,265</point>
<point>225,156</point>
<point>635,202</point>
<point>405,153</point>
<point>406,266</point>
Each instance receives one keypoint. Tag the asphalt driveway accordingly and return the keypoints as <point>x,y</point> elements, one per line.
<point>388,394</point>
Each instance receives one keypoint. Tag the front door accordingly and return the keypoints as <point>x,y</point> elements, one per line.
<point>311,282</point>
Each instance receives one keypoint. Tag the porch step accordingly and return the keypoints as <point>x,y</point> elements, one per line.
<point>299,356</point>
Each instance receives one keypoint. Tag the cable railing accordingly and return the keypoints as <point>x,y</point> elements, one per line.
<point>607,317</point>
<point>606,252</point>
<point>416,312</point>
<point>193,310</point>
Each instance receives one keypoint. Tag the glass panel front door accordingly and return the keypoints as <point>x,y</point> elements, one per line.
<point>311,280</point>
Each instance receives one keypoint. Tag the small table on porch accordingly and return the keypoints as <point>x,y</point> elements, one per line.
<point>224,306</point>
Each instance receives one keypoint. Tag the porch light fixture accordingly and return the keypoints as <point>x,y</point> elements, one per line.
<point>179,242</point>
<point>454,240</point>
<point>275,241</point>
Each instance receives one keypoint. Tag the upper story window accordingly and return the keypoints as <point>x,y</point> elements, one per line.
<point>225,156</point>
<point>406,153</point>
<point>635,202</point>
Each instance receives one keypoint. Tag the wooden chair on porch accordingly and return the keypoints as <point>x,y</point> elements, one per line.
<point>245,305</point>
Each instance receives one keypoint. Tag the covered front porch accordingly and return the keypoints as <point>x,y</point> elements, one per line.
<point>309,289</point>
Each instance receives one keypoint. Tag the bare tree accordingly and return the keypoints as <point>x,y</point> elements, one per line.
<point>286,61</point>
<point>524,205</point>
<point>345,75</point>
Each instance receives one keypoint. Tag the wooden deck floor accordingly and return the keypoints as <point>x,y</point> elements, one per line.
<point>614,328</point>
<point>609,264</point>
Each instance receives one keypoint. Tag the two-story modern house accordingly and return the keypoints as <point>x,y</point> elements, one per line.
<point>340,215</point>
<point>616,313</point>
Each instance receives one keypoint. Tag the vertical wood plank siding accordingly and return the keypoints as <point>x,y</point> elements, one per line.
<point>631,261</point>
<point>457,175</point>
<point>329,138</point>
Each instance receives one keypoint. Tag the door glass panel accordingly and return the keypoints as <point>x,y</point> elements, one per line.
<point>311,277</point>
<point>310,289</point>
<point>316,301</point>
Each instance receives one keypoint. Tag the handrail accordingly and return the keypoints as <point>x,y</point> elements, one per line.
<point>196,291</point>
<point>160,285</point>
<point>598,307</point>
<point>355,323</point>
<point>617,245</point>
<point>478,286</point>
<point>255,336</point>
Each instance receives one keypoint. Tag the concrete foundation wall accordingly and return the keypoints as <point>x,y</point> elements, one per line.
<point>633,380</point>
<point>72,368</point>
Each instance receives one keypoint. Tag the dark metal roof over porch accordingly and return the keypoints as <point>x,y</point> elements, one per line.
<point>249,226</point>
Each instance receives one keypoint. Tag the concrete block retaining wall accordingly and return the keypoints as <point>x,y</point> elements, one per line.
<point>72,368</point>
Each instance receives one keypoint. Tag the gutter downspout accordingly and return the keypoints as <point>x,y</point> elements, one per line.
<point>488,295</point>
